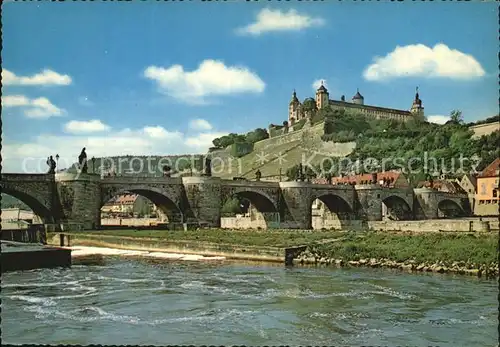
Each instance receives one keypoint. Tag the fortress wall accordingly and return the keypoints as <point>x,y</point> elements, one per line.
<point>484,129</point>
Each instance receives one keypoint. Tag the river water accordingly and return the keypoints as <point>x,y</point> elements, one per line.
<point>133,301</point>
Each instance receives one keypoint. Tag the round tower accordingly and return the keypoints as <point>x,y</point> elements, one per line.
<point>322,97</point>
<point>358,98</point>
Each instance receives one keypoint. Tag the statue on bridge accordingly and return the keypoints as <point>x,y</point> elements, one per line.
<point>300,175</point>
<point>208,167</point>
<point>167,171</point>
<point>258,175</point>
<point>329,177</point>
<point>82,161</point>
<point>52,165</point>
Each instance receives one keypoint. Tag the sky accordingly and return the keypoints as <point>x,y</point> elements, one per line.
<point>158,78</point>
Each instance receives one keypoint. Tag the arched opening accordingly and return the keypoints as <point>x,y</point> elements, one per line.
<point>449,209</point>
<point>140,208</point>
<point>330,212</point>
<point>396,208</point>
<point>249,210</point>
<point>22,209</point>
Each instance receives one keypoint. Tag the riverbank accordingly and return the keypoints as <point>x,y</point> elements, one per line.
<point>461,253</point>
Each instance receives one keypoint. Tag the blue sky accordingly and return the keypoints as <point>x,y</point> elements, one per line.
<point>166,78</point>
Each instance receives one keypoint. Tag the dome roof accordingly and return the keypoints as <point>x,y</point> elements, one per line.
<point>357,96</point>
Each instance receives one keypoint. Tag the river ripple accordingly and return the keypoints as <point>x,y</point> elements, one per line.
<point>144,302</point>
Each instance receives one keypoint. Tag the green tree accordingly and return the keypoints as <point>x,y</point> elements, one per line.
<point>456,117</point>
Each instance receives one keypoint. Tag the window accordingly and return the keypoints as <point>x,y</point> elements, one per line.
<point>495,193</point>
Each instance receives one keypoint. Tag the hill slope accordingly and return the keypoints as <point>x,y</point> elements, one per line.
<point>280,152</point>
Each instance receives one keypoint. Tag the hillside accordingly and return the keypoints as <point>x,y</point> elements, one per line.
<point>333,136</point>
<point>280,152</point>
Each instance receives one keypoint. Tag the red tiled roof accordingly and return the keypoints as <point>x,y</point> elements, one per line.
<point>359,179</point>
<point>124,199</point>
<point>491,170</point>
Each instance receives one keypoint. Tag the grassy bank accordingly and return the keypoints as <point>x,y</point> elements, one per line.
<point>460,251</point>
<point>268,238</point>
<point>400,247</point>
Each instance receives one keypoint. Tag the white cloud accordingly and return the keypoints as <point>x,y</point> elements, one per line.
<point>422,61</point>
<point>200,124</point>
<point>438,119</point>
<point>90,126</point>
<point>150,140</point>
<point>46,77</point>
<point>275,20</point>
<point>210,79</point>
<point>159,132</point>
<point>40,108</point>
<point>316,84</point>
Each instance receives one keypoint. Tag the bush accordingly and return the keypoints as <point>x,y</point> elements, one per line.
<point>240,149</point>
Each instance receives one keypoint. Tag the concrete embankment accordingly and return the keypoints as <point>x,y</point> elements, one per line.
<point>207,249</point>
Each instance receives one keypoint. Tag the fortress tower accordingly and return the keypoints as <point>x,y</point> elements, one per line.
<point>358,99</point>
<point>294,109</point>
<point>417,108</point>
<point>322,97</point>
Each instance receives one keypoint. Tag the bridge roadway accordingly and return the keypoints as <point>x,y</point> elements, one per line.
<point>78,198</point>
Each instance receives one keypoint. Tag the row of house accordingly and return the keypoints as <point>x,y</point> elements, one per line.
<point>16,218</point>
<point>482,189</point>
<point>129,204</point>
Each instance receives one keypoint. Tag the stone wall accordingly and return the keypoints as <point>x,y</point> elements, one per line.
<point>242,223</point>
<point>129,221</point>
<point>485,209</point>
<point>430,225</point>
<point>484,129</point>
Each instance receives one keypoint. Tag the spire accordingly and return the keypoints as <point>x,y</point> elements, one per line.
<point>294,97</point>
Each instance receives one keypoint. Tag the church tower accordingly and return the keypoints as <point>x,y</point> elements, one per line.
<point>322,97</point>
<point>293,109</point>
<point>417,108</point>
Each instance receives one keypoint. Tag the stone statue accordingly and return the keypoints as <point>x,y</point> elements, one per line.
<point>300,174</point>
<point>258,175</point>
<point>208,167</point>
<point>82,161</point>
<point>166,171</point>
<point>329,177</point>
<point>52,165</point>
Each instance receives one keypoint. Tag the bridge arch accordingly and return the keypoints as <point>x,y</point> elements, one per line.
<point>38,207</point>
<point>448,208</point>
<point>330,211</point>
<point>159,197</point>
<point>395,207</point>
<point>257,206</point>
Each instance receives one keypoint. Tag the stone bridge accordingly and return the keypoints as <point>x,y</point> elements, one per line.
<point>78,198</point>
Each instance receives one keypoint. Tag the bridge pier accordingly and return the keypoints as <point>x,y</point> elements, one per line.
<point>203,194</point>
<point>369,202</point>
<point>79,196</point>
<point>297,204</point>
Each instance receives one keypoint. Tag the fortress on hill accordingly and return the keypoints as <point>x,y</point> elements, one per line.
<point>298,111</point>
